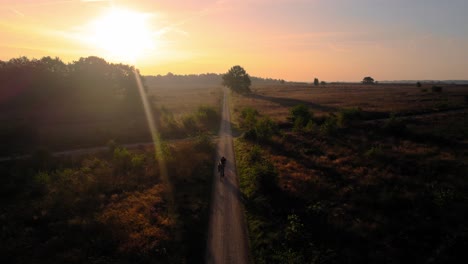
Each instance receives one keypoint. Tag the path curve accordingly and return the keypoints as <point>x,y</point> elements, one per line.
<point>227,235</point>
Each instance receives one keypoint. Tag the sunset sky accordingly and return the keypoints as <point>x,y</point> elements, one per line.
<point>297,40</point>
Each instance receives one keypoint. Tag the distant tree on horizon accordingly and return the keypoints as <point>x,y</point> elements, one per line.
<point>237,80</point>
<point>316,82</point>
<point>368,80</point>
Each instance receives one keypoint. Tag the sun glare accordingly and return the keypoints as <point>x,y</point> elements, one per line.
<point>122,34</point>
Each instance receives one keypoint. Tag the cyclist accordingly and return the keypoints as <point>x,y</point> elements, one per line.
<point>221,168</point>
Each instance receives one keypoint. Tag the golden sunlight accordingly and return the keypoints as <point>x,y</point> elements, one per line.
<point>122,34</point>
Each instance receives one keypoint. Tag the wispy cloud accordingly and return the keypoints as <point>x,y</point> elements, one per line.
<point>17,12</point>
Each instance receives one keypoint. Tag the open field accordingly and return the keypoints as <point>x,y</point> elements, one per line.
<point>181,101</point>
<point>110,207</point>
<point>338,188</point>
<point>380,99</point>
<point>62,127</point>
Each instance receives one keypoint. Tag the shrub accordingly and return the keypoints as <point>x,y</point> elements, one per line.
<point>248,117</point>
<point>250,134</point>
<point>374,152</point>
<point>265,129</point>
<point>208,116</point>
<point>260,179</point>
<point>111,146</point>
<point>394,125</point>
<point>310,127</point>
<point>330,125</point>
<point>203,142</point>
<point>137,161</point>
<point>122,159</point>
<point>190,124</point>
<point>347,115</point>
<point>300,115</point>
<point>436,89</point>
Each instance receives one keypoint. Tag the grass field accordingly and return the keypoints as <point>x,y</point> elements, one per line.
<point>275,101</point>
<point>47,127</point>
<point>344,189</point>
<point>107,207</point>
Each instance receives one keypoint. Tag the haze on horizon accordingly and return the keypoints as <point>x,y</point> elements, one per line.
<point>295,40</point>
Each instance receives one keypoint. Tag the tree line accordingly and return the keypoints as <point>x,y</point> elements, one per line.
<point>38,92</point>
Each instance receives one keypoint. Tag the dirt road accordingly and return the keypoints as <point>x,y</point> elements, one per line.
<point>227,236</point>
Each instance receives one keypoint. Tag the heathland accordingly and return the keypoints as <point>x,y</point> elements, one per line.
<point>354,173</point>
<point>329,173</point>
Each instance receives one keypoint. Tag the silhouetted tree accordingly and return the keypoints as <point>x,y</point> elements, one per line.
<point>418,84</point>
<point>237,80</point>
<point>88,89</point>
<point>368,80</point>
<point>316,82</point>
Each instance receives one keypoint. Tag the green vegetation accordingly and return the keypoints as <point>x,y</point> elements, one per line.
<point>205,119</point>
<point>436,89</point>
<point>49,103</point>
<point>257,128</point>
<point>368,80</point>
<point>343,189</point>
<point>107,208</point>
<point>237,80</point>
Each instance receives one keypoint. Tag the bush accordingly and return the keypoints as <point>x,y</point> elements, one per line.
<point>374,152</point>
<point>436,89</point>
<point>330,125</point>
<point>248,117</point>
<point>250,134</point>
<point>300,115</point>
<point>208,116</point>
<point>259,178</point>
<point>137,161</point>
<point>122,159</point>
<point>203,143</point>
<point>265,129</point>
<point>190,124</point>
<point>394,125</point>
<point>348,115</point>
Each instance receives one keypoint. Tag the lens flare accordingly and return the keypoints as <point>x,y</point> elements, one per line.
<point>158,152</point>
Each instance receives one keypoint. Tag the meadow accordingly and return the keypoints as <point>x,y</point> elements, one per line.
<point>353,173</point>
<point>109,207</point>
<point>102,206</point>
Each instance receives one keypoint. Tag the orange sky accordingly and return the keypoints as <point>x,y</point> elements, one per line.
<point>294,40</point>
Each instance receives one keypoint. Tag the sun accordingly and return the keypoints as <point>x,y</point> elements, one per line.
<point>122,34</point>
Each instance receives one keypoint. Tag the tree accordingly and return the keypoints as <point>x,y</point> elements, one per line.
<point>418,84</point>
<point>237,80</point>
<point>316,81</point>
<point>368,80</point>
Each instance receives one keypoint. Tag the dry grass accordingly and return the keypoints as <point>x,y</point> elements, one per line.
<point>365,193</point>
<point>184,100</point>
<point>275,101</point>
<point>110,206</point>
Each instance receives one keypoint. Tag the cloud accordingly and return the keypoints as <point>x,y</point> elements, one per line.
<point>17,12</point>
